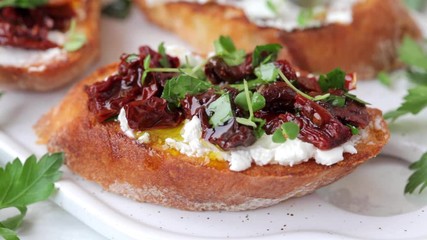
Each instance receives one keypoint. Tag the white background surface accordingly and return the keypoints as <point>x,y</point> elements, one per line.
<point>367,204</point>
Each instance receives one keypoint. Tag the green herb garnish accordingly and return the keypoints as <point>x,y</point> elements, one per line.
<point>263,52</point>
<point>419,177</point>
<point>354,130</point>
<point>220,111</point>
<point>224,48</point>
<point>355,98</point>
<point>267,72</point>
<point>316,98</point>
<point>418,5</point>
<point>25,184</point>
<point>337,101</point>
<point>23,3</point>
<point>164,61</point>
<point>288,130</point>
<point>411,53</point>
<point>118,9</point>
<point>415,102</point>
<point>384,78</point>
<point>335,79</point>
<point>178,87</point>
<point>251,102</point>
<point>75,39</point>
<point>132,57</point>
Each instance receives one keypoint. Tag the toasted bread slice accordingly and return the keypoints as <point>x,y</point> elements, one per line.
<point>102,153</point>
<point>366,46</point>
<point>54,72</point>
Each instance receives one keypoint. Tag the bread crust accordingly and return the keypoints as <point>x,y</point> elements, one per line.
<point>57,73</point>
<point>366,46</point>
<point>149,173</point>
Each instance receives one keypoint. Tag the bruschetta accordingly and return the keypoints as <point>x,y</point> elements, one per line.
<point>356,35</point>
<point>233,132</point>
<point>45,45</point>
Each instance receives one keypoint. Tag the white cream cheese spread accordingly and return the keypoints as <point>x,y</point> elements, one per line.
<point>284,14</point>
<point>263,152</point>
<point>33,59</point>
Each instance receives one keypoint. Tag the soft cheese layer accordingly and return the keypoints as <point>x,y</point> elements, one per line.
<point>263,152</point>
<point>33,59</point>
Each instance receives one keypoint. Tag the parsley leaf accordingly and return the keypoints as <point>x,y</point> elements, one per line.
<point>75,39</point>
<point>411,53</point>
<point>25,184</point>
<point>415,101</point>
<point>288,130</point>
<point>384,78</point>
<point>267,72</point>
<point>224,48</point>
<point>355,98</point>
<point>23,3</point>
<point>337,101</point>
<point>263,52</point>
<point>419,177</point>
<point>146,64</point>
<point>335,79</point>
<point>278,136</point>
<point>416,4</point>
<point>164,61</point>
<point>178,87</point>
<point>417,77</point>
<point>251,102</point>
<point>354,130</point>
<point>117,9</point>
<point>257,101</point>
<point>132,57</point>
<point>220,111</point>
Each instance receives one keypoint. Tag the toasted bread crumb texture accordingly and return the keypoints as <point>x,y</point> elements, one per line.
<point>47,70</point>
<point>146,172</point>
<point>366,46</point>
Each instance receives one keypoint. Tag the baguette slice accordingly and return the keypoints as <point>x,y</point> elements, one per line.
<point>366,46</point>
<point>150,173</point>
<point>49,75</point>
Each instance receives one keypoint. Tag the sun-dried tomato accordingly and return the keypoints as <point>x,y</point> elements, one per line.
<point>29,28</point>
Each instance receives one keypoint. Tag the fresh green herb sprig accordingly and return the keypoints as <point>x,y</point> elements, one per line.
<point>415,102</point>
<point>415,57</point>
<point>75,39</point>
<point>186,70</point>
<point>22,3</point>
<point>220,111</point>
<point>164,61</point>
<point>265,53</point>
<point>419,177</point>
<point>178,87</point>
<point>25,184</point>
<point>251,102</point>
<point>317,98</point>
<point>118,9</point>
<point>418,5</point>
<point>384,78</point>
<point>225,48</point>
<point>288,130</point>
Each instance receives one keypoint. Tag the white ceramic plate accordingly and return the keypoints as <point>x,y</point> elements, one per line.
<point>369,203</point>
